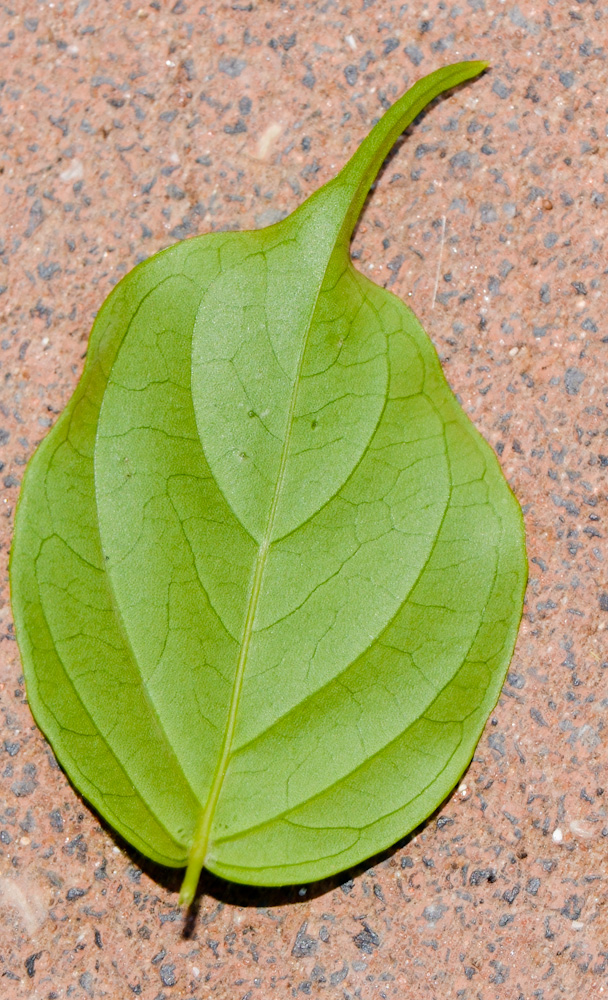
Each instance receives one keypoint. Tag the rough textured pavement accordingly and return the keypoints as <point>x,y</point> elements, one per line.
<point>125,128</point>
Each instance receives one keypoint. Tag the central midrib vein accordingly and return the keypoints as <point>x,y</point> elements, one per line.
<point>200,844</point>
<point>354,180</point>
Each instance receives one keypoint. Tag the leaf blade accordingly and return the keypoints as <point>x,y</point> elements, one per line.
<point>273,480</point>
<point>383,673</point>
<point>59,691</point>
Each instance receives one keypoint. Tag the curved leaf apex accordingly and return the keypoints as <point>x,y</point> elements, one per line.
<point>362,168</point>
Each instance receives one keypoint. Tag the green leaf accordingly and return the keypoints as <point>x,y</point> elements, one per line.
<point>266,575</point>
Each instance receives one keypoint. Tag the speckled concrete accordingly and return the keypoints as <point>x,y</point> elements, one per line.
<point>126,127</point>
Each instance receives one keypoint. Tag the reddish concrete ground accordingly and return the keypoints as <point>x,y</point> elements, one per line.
<point>126,127</point>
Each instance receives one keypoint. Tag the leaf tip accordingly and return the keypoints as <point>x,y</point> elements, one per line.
<point>476,67</point>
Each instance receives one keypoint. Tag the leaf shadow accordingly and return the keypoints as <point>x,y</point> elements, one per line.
<point>225,893</point>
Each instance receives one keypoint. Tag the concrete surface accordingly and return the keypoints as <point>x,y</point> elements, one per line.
<point>125,127</point>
